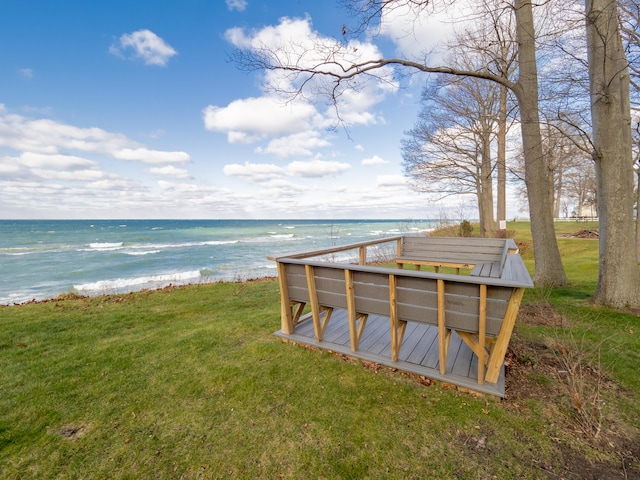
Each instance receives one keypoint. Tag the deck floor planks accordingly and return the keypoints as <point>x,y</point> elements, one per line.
<point>419,352</point>
<point>462,363</point>
<point>377,330</point>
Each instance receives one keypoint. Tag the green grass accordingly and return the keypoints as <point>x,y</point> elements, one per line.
<point>191,383</point>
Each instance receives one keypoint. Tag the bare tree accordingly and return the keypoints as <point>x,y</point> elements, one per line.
<point>494,35</point>
<point>580,186</point>
<point>619,275</point>
<point>630,30</point>
<point>448,152</point>
<point>340,63</point>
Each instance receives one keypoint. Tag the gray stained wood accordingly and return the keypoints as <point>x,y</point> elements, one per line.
<point>419,352</point>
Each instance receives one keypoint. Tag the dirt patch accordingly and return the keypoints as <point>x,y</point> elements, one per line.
<point>590,447</point>
<point>73,432</point>
<point>588,234</point>
<point>540,313</point>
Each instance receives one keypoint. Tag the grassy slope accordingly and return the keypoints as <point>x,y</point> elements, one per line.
<point>191,383</point>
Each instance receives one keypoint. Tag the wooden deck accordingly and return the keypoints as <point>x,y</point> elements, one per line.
<point>419,353</point>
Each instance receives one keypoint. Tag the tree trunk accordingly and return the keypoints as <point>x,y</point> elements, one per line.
<point>638,216</point>
<point>548,269</point>
<point>558,193</point>
<point>619,275</point>
<point>488,225</point>
<point>502,161</point>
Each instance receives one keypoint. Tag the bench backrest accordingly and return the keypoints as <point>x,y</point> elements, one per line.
<point>416,295</point>
<point>454,249</point>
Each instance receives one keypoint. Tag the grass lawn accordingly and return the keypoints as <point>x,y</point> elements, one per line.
<point>190,382</point>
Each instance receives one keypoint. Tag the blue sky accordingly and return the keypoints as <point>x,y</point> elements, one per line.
<point>126,109</point>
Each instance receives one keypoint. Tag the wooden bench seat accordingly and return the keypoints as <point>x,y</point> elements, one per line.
<point>485,257</point>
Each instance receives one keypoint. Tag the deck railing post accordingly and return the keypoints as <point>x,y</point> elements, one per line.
<point>286,318</point>
<point>444,334</point>
<point>393,317</point>
<point>399,251</point>
<point>355,331</point>
<point>482,333</point>
<point>362,256</point>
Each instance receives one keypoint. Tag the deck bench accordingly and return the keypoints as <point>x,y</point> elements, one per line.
<point>485,257</point>
<point>480,307</point>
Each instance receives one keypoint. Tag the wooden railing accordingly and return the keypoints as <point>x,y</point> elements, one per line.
<point>481,309</point>
<point>361,247</point>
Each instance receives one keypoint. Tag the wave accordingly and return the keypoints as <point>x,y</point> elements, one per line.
<point>106,245</point>
<point>283,235</point>
<point>147,248</point>
<point>15,252</point>
<point>149,281</point>
<point>143,252</point>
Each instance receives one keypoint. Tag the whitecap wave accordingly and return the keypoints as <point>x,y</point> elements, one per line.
<point>128,284</point>
<point>141,252</point>
<point>106,246</point>
<point>283,235</point>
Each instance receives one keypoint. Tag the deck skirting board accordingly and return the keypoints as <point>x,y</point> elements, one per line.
<point>419,353</point>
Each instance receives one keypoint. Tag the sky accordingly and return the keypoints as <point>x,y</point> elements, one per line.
<point>135,109</point>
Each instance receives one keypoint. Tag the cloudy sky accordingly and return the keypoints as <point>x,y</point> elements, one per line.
<point>133,109</point>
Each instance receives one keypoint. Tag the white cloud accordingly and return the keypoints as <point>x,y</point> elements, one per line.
<point>69,176</point>
<point>297,44</point>
<point>295,125</point>
<point>39,160</point>
<point>317,168</point>
<point>248,120</point>
<point>145,45</point>
<point>238,5</point>
<point>114,184</point>
<point>170,170</point>
<point>50,137</point>
<point>179,187</point>
<point>375,160</point>
<point>46,143</point>
<point>264,172</point>
<point>300,144</point>
<point>416,29</point>
<point>253,172</point>
<point>53,168</point>
<point>392,181</point>
<point>151,156</point>
<point>9,167</point>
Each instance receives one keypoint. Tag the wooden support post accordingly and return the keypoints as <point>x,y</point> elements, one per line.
<point>355,330</point>
<point>393,318</point>
<point>399,252</point>
<point>362,255</point>
<point>286,319</point>
<point>398,326</point>
<point>482,333</point>
<point>444,334</point>
<point>319,324</point>
<point>502,341</point>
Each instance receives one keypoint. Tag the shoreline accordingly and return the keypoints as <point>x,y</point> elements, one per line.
<point>76,296</point>
<point>171,286</point>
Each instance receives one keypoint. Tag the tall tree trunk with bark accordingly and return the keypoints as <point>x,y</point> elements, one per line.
<point>488,225</point>
<point>638,216</point>
<point>619,274</point>
<point>502,159</point>
<point>549,270</point>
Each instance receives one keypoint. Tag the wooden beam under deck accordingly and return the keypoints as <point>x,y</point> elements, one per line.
<point>419,353</point>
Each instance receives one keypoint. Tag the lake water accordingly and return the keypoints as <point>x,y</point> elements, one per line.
<point>41,259</point>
